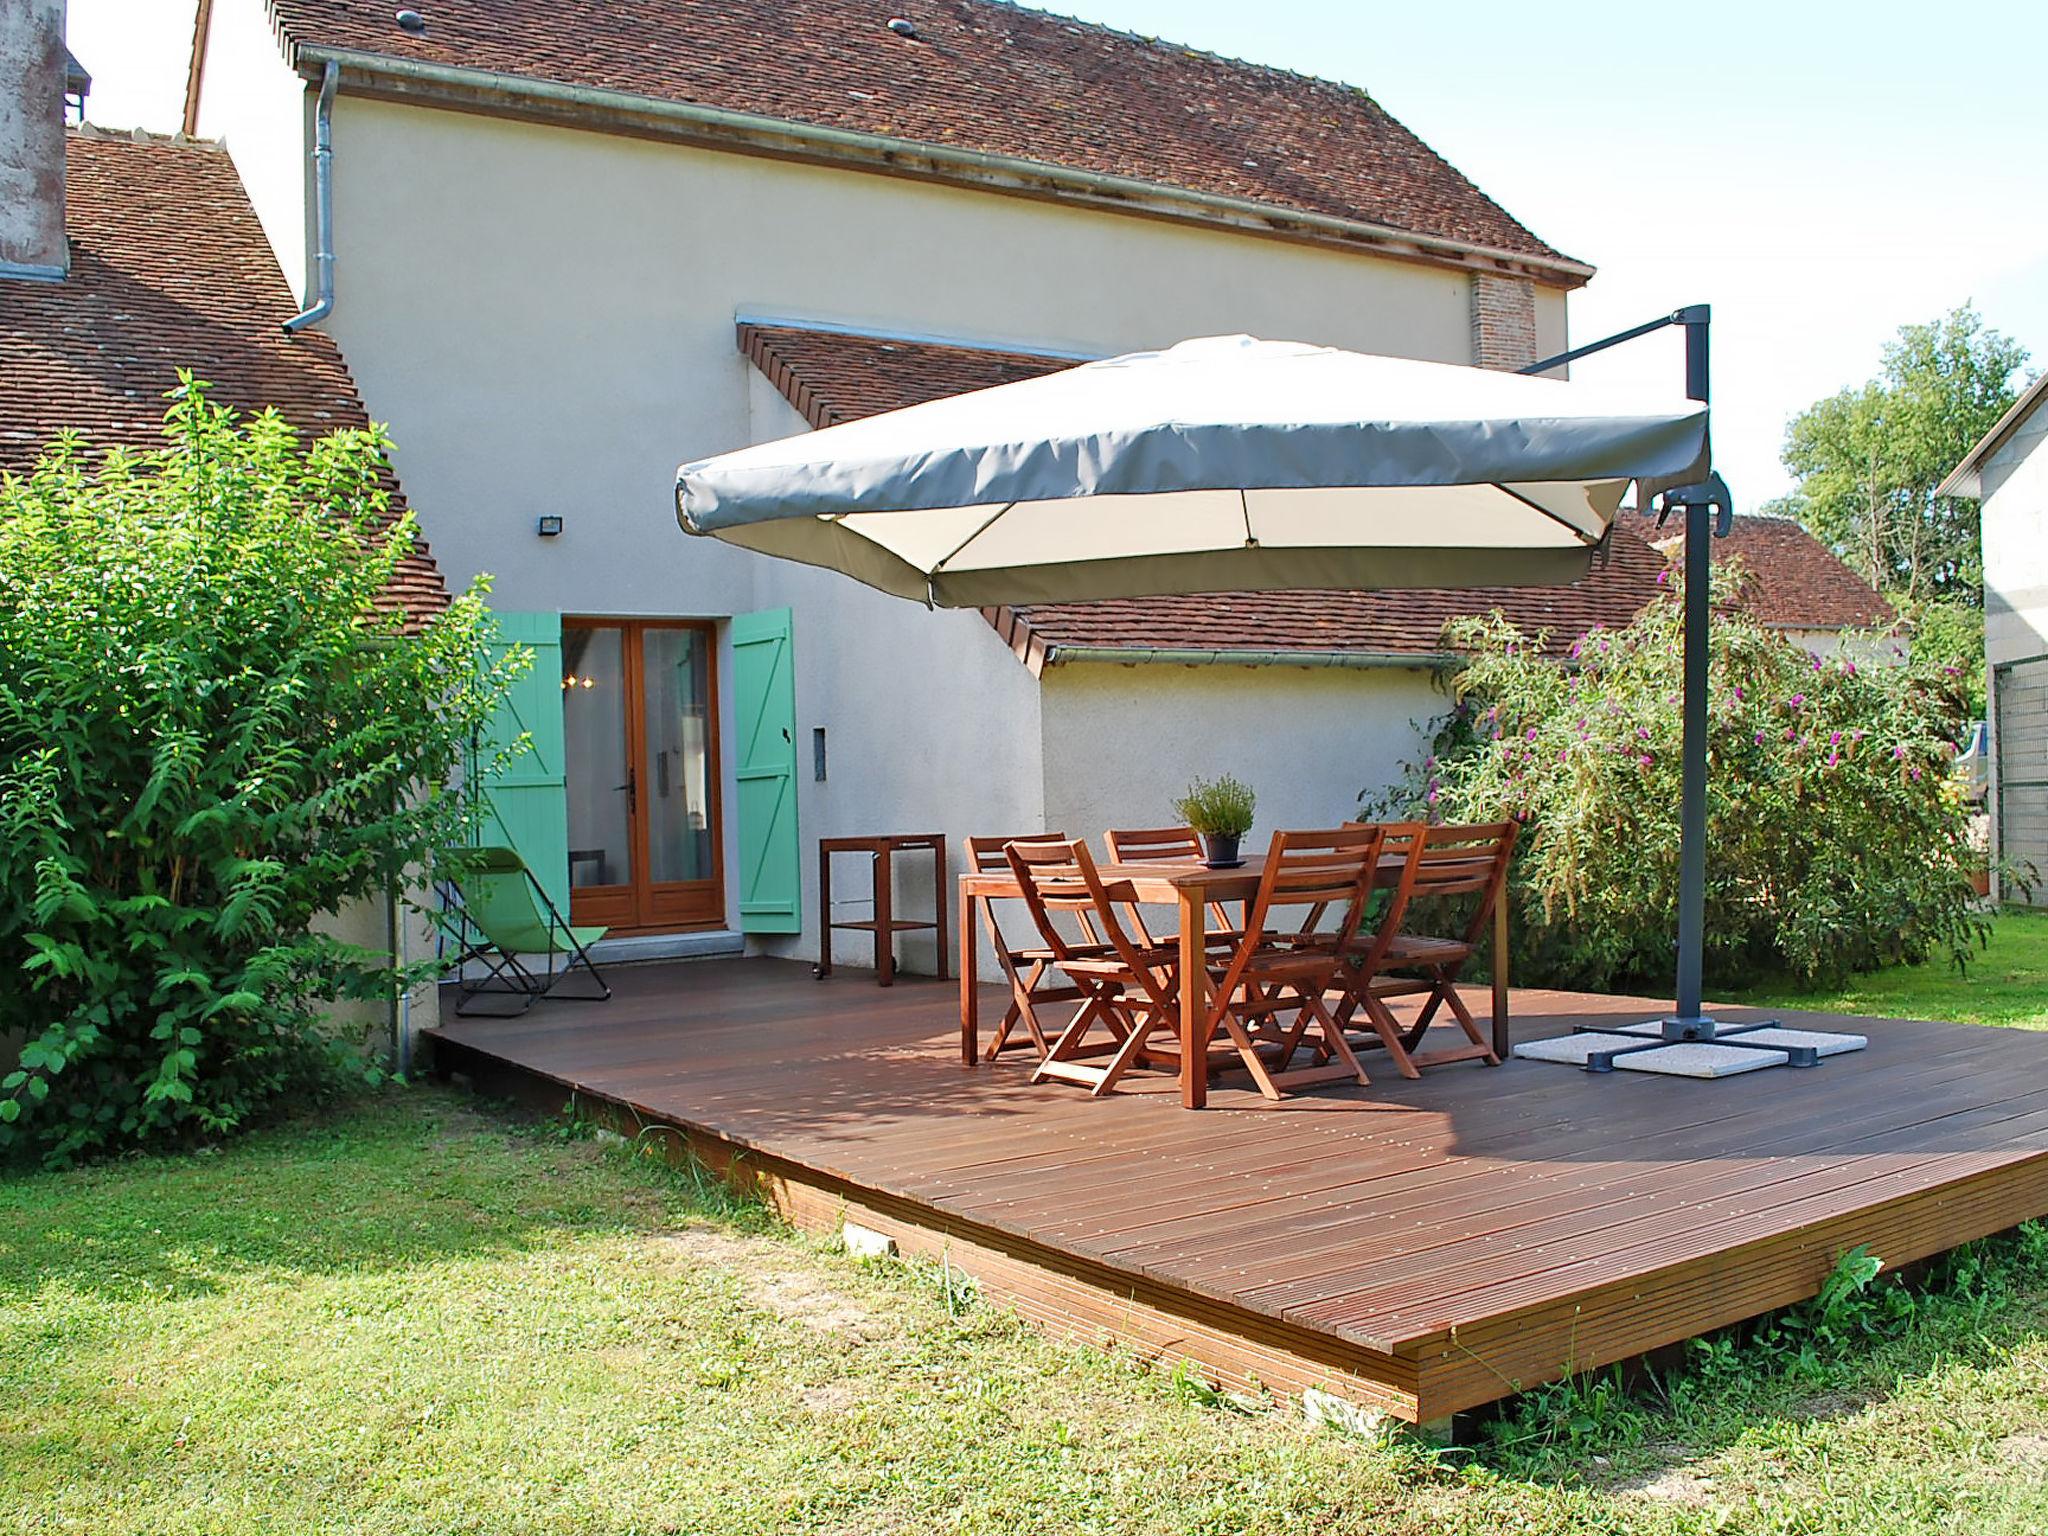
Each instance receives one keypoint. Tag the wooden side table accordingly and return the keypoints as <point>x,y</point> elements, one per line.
<point>884,925</point>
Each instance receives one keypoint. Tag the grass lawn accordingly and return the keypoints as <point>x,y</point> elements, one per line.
<point>414,1316</point>
<point>2006,984</point>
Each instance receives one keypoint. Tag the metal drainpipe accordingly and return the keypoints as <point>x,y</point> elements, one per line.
<point>405,994</point>
<point>323,205</point>
<point>395,1007</point>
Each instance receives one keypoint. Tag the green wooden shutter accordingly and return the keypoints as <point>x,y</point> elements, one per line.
<point>527,806</point>
<point>764,709</point>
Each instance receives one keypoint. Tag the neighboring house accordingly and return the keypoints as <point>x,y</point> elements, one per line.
<point>2008,473</point>
<point>128,258</point>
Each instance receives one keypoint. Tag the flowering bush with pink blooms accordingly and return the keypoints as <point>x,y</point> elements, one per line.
<point>1837,844</point>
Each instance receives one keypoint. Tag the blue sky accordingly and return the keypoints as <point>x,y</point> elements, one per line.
<point>1820,173</point>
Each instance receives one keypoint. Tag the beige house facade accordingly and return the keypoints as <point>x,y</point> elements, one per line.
<point>538,282</point>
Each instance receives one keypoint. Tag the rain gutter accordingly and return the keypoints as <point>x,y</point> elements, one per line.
<point>1139,655</point>
<point>485,90</point>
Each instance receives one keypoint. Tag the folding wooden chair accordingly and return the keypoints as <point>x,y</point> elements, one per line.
<point>1270,994</point>
<point>1366,958</point>
<point>1135,847</point>
<point>1446,863</point>
<point>1026,966</point>
<point>1175,844</point>
<point>1130,989</point>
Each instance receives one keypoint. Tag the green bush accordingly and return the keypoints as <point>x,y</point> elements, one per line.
<point>209,737</point>
<point>1837,839</point>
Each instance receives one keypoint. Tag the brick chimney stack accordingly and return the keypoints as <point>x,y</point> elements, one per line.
<point>32,77</point>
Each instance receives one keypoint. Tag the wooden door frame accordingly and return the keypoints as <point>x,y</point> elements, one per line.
<point>640,894</point>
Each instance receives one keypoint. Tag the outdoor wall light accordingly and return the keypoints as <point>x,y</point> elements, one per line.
<point>549,527</point>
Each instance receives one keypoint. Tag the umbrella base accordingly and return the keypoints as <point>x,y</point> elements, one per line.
<point>1676,1028</point>
<point>1658,1033</point>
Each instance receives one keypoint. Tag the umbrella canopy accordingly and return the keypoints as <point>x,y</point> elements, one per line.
<point>1222,464</point>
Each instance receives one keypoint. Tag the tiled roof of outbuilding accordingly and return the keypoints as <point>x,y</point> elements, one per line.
<point>169,270</point>
<point>1407,622</point>
<point>977,75</point>
<point>1791,579</point>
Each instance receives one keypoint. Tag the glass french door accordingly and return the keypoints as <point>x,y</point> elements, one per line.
<point>640,726</point>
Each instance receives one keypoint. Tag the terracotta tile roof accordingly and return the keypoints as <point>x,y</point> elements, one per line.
<point>832,377</point>
<point>1392,623</point>
<point>1790,578</point>
<point>979,75</point>
<point>169,270</point>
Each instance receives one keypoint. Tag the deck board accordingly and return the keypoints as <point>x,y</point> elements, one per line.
<point>1438,1241</point>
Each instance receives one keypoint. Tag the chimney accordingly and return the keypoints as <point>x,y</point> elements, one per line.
<point>33,75</point>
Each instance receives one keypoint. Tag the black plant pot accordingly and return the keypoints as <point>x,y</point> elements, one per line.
<point>1219,849</point>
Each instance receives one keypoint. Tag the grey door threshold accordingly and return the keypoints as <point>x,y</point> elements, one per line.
<point>703,944</point>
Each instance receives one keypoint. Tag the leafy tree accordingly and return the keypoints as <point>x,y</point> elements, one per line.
<point>1869,458</point>
<point>210,736</point>
<point>1837,837</point>
<point>1948,633</point>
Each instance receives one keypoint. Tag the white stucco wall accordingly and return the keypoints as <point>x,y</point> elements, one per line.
<point>255,104</point>
<point>2015,504</point>
<point>367,924</point>
<point>1122,742</point>
<point>931,725</point>
<point>1553,331</point>
<point>1862,646</point>
<point>546,317</point>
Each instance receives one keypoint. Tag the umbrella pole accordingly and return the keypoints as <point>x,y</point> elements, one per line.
<point>1690,1022</point>
<point>1689,1019</point>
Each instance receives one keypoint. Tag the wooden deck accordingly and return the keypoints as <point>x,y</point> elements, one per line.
<point>1421,1246</point>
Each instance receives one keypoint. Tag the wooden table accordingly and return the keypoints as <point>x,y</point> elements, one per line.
<point>1190,888</point>
<point>884,925</point>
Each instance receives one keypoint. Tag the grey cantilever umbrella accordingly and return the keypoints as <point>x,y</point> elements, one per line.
<point>1233,464</point>
<point>1223,464</point>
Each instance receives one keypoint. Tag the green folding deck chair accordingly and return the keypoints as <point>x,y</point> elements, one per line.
<point>499,914</point>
